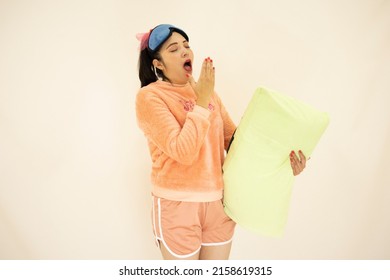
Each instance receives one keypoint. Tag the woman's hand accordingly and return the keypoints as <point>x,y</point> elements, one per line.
<point>204,88</point>
<point>297,164</point>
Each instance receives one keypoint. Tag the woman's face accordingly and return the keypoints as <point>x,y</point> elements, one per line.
<point>176,59</point>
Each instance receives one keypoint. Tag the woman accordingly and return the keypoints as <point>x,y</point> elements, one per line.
<point>188,129</point>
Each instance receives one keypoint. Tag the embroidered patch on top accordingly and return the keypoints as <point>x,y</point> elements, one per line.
<point>188,105</point>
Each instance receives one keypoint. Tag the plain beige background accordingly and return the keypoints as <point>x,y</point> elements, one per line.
<point>74,181</point>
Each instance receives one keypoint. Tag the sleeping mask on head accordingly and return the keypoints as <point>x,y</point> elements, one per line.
<point>160,34</point>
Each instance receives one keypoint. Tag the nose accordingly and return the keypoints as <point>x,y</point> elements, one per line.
<point>185,53</point>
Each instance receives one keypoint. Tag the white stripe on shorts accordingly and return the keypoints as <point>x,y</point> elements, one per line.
<point>161,238</point>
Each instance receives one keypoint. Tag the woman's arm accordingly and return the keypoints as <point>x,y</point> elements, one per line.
<point>161,127</point>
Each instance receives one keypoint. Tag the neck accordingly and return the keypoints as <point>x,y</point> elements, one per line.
<point>175,84</point>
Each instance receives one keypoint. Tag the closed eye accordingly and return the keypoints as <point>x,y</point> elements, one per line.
<point>174,46</point>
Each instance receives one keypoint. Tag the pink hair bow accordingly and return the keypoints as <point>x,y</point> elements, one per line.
<point>143,38</point>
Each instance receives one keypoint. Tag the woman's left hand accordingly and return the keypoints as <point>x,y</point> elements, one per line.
<point>297,164</point>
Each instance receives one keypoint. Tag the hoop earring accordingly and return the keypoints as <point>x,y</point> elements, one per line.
<point>155,73</point>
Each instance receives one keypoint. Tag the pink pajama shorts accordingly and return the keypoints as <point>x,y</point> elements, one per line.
<point>183,227</point>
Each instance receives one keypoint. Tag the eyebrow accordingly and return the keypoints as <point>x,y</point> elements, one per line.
<point>176,43</point>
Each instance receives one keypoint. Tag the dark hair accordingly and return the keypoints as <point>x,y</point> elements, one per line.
<point>146,68</point>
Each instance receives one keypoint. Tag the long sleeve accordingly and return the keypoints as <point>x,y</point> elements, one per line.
<point>181,143</point>
<point>186,142</point>
<point>228,125</point>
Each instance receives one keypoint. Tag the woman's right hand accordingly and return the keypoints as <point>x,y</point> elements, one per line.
<point>204,88</point>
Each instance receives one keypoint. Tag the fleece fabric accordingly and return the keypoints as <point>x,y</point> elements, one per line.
<point>187,142</point>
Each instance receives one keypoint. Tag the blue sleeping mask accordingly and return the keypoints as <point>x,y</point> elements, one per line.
<point>160,34</point>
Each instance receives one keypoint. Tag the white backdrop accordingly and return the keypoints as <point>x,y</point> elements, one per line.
<point>74,167</point>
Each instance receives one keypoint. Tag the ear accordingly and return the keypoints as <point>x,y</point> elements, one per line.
<point>157,64</point>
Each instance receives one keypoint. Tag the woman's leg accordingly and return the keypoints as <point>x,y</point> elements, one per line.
<point>168,256</point>
<point>176,228</point>
<point>217,233</point>
<point>220,252</point>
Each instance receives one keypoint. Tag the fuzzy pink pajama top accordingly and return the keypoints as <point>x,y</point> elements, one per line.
<point>186,141</point>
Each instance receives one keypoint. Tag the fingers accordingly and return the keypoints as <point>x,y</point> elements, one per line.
<point>208,70</point>
<point>214,73</point>
<point>210,67</point>
<point>294,163</point>
<point>303,159</point>
<point>203,72</point>
<point>204,87</point>
<point>297,164</point>
<point>211,71</point>
<point>207,74</point>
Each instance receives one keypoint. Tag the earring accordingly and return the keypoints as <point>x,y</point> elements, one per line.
<point>155,72</point>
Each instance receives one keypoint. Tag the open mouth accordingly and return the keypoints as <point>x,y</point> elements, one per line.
<point>188,65</point>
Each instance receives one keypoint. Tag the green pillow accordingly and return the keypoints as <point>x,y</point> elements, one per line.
<point>257,173</point>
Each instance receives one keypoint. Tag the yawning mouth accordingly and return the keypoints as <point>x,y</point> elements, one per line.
<point>188,65</point>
